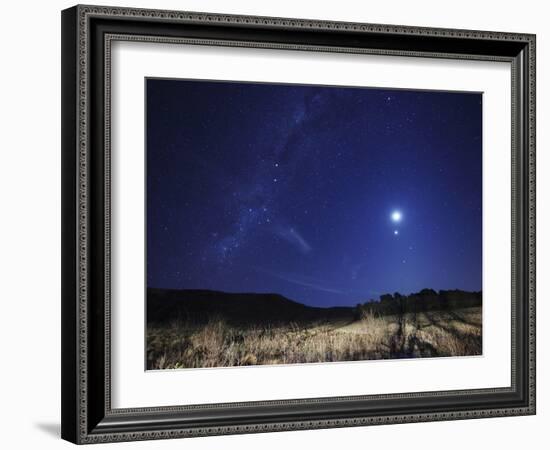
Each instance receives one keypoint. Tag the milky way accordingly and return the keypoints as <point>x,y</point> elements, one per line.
<point>292,189</point>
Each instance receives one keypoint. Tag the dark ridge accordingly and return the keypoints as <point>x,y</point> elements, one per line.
<point>200,306</point>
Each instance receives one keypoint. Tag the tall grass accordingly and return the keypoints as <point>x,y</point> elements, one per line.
<point>219,344</point>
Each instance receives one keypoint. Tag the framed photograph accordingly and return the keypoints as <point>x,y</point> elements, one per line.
<point>278,224</point>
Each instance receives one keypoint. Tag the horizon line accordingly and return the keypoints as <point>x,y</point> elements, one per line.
<point>437,291</point>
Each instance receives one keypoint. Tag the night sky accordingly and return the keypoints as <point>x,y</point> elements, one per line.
<point>326,195</point>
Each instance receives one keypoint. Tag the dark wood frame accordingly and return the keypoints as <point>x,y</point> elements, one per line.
<point>87,32</point>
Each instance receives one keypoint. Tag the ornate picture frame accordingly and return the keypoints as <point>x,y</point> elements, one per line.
<point>88,33</point>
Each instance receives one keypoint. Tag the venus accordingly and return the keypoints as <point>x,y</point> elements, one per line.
<point>396,216</point>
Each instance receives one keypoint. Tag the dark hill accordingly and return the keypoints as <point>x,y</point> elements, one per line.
<point>200,306</point>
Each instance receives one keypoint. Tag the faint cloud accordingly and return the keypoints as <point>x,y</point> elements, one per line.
<point>293,237</point>
<point>302,280</point>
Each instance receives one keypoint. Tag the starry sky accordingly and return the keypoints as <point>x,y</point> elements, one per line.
<point>327,195</point>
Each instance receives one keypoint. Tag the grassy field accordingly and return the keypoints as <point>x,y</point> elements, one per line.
<point>182,344</point>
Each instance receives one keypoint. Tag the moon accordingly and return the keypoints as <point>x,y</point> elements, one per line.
<point>396,216</point>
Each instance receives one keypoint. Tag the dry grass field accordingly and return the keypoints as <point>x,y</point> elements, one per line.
<point>182,344</point>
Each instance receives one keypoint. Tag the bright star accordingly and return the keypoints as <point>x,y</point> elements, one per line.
<point>396,216</point>
<point>396,232</point>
